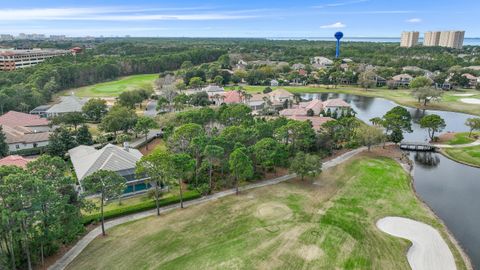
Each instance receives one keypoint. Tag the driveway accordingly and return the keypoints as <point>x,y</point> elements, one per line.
<point>151,109</point>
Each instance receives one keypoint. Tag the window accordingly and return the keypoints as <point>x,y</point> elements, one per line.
<point>17,146</point>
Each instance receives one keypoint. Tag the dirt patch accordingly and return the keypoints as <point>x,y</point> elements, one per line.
<point>310,252</point>
<point>273,211</point>
<point>446,137</point>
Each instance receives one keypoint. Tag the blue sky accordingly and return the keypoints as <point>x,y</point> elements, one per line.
<point>244,18</point>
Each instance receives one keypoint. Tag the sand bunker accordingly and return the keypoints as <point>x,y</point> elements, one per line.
<point>310,252</point>
<point>273,211</point>
<point>470,100</point>
<point>428,250</point>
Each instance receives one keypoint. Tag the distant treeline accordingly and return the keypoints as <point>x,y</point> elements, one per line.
<point>26,88</point>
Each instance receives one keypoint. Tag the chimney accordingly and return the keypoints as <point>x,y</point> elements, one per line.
<point>126,146</point>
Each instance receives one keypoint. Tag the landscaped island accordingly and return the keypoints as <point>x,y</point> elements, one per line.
<point>324,224</point>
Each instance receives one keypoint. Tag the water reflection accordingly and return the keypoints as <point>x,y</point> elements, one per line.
<point>427,160</point>
<point>452,190</point>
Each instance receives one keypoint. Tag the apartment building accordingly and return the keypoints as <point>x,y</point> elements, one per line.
<point>431,38</point>
<point>409,39</point>
<point>13,59</point>
<point>451,39</point>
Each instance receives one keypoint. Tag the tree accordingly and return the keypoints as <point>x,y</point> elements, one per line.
<point>366,79</point>
<point>235,114</point>
<point>472,123</point>
<point>298,135</point>
<point>183,135</point>
<point>213,153</point>
<point>162,104</point>
<point>196,82</point>
<point>84,136</point>
<point>218,80</point>
<point>157,168</point>
<point>200,99</point>
<point>426,94</point>
<point>109,184</point>
<point>420,82</point>
<point>370,135</point>
<point>71,119</point>
<point>182,166</point>
<point>240,166</point>
<point>306,165</point>
<point>3,143</point>
<point>95,109</point>
<point>60,141</point>
<point>310,112</point>
<point>143,126</point>
<point>396,136</point>
<point>397,120</point>
<point>269,153</point>
<point>117,119</point>
<point>433,123</point>
<point>180,85</point>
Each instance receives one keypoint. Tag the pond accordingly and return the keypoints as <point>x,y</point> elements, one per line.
<point>370,107</point>
<point>451,189</point>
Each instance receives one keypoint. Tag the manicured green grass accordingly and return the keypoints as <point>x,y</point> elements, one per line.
<point>293,225</point>
<point>449,102</point>
<point>467,155</point>
<point>116,87</point>
<point>462,138</point>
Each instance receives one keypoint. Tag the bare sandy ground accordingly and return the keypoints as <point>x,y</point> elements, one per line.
<point>464,95</point>
<point>428,250</point>
<point>470,100</point>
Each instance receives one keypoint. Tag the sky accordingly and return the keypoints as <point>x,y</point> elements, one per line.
<point>240,18</point>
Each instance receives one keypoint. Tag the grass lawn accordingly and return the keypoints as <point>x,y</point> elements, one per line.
<point>467,155</point>
<point>450,102</point>
<point>114,88</point>
<point>462,138</point>
<point>293,225</point>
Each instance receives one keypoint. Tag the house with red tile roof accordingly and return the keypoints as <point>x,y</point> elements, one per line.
<point>24,131</point>
<point>232,97</point>
<point>317,121</point>
<point>336,104</point>
<point>15,160</point>
<point>13,118</point>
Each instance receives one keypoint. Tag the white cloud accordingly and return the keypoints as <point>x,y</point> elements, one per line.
<point>414,20</point>
<point>117,14</point>
<point>333,25</point>
<point>340,4</point>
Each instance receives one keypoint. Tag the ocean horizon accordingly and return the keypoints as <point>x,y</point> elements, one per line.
<point>466,42</point>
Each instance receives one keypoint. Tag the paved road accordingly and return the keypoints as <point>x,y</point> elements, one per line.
<point>141,140</point>
<point>68,257</point>
<point>151,109</point>
<point>428,250</point>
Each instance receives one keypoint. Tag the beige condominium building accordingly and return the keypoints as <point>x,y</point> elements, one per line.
<point>13,59</point>
<point>409,39</point>
<point>431,38</point>
<point>452,39</point>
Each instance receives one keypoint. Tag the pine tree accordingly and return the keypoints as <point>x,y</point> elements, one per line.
<point>3,143</point>
<point>83,136</point>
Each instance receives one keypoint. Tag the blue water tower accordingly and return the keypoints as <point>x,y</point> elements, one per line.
<point>338,36</point>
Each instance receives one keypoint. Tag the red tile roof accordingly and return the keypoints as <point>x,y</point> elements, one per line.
<point>337,102</point>
<point>232,97</point>
<point>13,118</point>
<point>14,161</point>
<point>317,121</point>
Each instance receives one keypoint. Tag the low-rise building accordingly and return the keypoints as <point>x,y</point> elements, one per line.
<point>321,62</point>
<point>273,83</point>
<point>402,79</point>
<point>472,80</point>
<point>86,160</point>
<point>15,59</point>
<point>316,121</point>
<point>335,105</point>
<point>15,160</point>
<point>24,131</point>
<point>67,104</point>
<point>279,96</point>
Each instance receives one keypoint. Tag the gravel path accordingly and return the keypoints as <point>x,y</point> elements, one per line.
<point>68,257</point>
<point>428,250</point>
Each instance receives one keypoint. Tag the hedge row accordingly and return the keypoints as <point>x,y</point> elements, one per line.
<point>140,207</point>
<point>30,151</point>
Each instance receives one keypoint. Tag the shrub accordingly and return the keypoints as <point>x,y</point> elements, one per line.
<point>140,207</point>
<point>29,152</point>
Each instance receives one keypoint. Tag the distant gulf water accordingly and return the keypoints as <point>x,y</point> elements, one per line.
<point>467,41</point>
